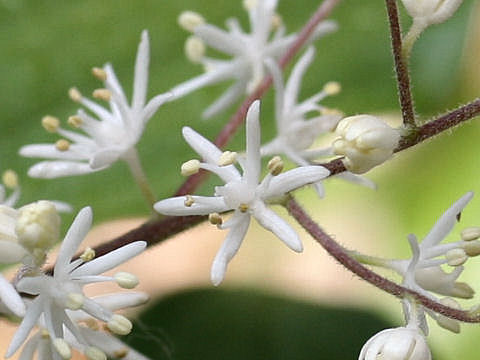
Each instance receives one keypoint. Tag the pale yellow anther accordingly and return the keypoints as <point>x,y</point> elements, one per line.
<point>74,301</point>
<point>250,4</point>
<point>189,201</point>
<point>10,179</point>
<point>102,94</point>
<point>472,248</point>
<point>74,94</point>
<point>126,280</point>
<point>99,73</point>
<point>88,254</point>
<point>470,233</point>
<point>62,348</point>
<point>62,145</point>
<point>75,121</point>
<point>94,353</point>
<point>275,165</point>
<point>456,257</point>
<point>194,49</point>
<point>190,167</point>
<point>121,353</point>
<point>332,88</point>
<point>189,20</point>
<point>277,21</point>
<point>243,208</point>
<point>119,325</point>
<point>215,219</point>
<point>50,123</point>
<point>330,111</point>
<point>227,158</point>
<point>44,334</point>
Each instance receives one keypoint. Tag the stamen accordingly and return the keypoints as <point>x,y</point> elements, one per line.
<point>332,88</point>
<point>189,20</point>
<point>243,208</point>
<point>472,248</point>
<point>74,94</point>
<point>227,158</point>
<point>189,201</point>
<point>215,219</point>
<point>194,49</point>
<point>121,353</point>
<point>119,325</point>
<point>44,334</point>
<point>50,123</point>
<point>126,280</point>
<point>94,353</point>
<point>470,233</point>
<point>277,21</point>
<point>62,348</point>
<point>99,73</point>
<point>102,94</point>
<point>250,4</point>
<point>62,145</point>
<point>275,165</point>
<point>74,301</point>
<point>75,121</point>
<point>88,254</point>
<point>10,179</point>
<point>190,167</point>
<point>456,257</point>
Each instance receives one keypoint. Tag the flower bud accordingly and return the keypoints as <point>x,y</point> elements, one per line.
<point>400,344</point>
<point>431,11</point>
<point>365,141</point>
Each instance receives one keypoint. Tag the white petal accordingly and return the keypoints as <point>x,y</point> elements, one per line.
<point>110,260</point>
<point>118,301</point>
<point>104,158</point>
<point>271,221</point>
<point>207,150</point>
<point>203,205</point>
<point>153,105</point>
<point>277,77</point>
<point>28,322</point>
<point>357,179</point>
<point>75,235</point>
<point>54,169</point>
<point>140,82</point>
<point>253,164</point>
<point>62,206</point>
<point>446,222</point>
<point>229,248</point>
<point>30,347</point>
<point>49,151</point>
<point>227,99</point>
<point>292,87</point>
<point>10,297</point>
<point>220,39</point>
<point>294,179</point>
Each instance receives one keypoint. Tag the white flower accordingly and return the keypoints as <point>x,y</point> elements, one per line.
<point>248,51</point>
<point>241,193</point>
<point>63,291</point>
<point>366,141</point>
<point>431,11</point>
<point>403,343</point>
<point>113,136</point>
<point>295,132</point>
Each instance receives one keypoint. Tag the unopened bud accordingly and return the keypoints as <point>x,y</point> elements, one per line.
<point>227,158</point>
<point>62,348</point>
<point>126,280</point>
<point>215,219</point>
<point>189,20</point>
<point>456,257</point>
<point>10,179</point>
<point>74,94</point>
<point>332,88</point>
<point>470,233</point>
<point>99,73</point>
<point>62,145</point>
<point>431,11</point>
<point>119,325</point>
<point>194,49</point>
<point>50,123</point>
<point>275,165</point>
<point>190,167</point>
<point>102,94</point>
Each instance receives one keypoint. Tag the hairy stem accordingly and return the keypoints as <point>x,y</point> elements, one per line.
<point>401,66</point>
<point>341,255</point>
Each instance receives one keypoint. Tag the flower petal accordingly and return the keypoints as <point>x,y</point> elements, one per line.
<point>104,158</point>
<point>294,179</point>
<point>11,252</point>
<point>10,297</point>
<point>253,164</point>
<point>220,39</point>
<point>202,205</point>
<point>51,152</point>
<point>55,169</point>
<point>227,99</point>
<point>229,248</point>
<point>109,261</point>
<point>292,88</point>
<point>140,82</point>
<point>271,221</point>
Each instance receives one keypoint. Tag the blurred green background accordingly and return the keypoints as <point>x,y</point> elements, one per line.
<point>49,46</point>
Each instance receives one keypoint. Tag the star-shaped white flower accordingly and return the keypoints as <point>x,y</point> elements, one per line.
<point>63,291</point>
<point>110,134</point>
<point>243,193</point>
<point>248,51</point>
<point>296,132</point>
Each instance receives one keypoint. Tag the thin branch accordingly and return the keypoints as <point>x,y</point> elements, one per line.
<point>336,251</point>
<point>237,119</point>
<point>401,66</point>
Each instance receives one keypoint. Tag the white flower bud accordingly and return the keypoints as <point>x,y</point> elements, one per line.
<point>126,280</point>
<point>431,11</point>
<point>365,141</point>
<point>38,225</point>
<point>62,348</point>
<point>400,344</point>
<point>94,353</point>
<point>119,325</point>
<point>189,20</point>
